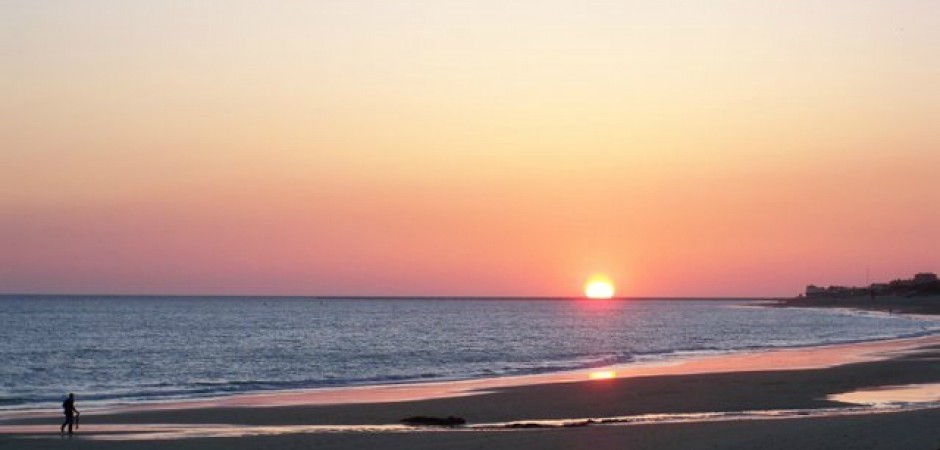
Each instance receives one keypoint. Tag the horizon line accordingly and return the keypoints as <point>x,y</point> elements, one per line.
<point>403,297</point>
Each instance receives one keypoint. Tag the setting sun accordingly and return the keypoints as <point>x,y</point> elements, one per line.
<point>599,287</point>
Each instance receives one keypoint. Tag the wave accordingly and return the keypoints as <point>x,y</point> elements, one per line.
<point>189,350</point>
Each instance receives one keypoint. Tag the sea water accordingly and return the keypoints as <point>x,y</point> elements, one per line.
<point>132,349</point>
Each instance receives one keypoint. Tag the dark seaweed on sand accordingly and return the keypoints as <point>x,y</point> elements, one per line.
<point>450,421</point>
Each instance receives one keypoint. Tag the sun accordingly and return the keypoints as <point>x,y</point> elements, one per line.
<point>599,287</point>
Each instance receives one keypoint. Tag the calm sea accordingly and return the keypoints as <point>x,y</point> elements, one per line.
<point>132,349</point>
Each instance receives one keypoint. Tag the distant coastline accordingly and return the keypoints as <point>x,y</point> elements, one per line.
<point>917,295</point>
<point>382,297</point>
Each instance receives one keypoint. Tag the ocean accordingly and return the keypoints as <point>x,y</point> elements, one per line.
<point>112,350</point>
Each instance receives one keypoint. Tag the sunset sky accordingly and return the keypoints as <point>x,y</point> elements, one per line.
<point>439,147</point>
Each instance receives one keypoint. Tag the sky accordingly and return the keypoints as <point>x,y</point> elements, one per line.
<point>514,147</point>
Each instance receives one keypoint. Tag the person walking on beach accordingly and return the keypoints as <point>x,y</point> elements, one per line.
<point>71,414</point>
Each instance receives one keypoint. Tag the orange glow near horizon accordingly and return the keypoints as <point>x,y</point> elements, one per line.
<point>698,149</point>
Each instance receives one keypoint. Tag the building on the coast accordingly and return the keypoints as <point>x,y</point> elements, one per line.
<point>921,284</point>
<point>880,288</point>
<point>835,291</point>
<point>815,291</point>
<point>924,278</point>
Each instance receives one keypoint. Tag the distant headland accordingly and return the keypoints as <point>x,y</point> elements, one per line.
<point>917,295</point>
<point>925,283</point>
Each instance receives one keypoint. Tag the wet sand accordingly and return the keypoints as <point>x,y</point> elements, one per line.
<point>785,380</point>
<point>901,431</point>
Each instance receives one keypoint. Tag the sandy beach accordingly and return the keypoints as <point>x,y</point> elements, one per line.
<point>786,393</point>
<point>487,225</point>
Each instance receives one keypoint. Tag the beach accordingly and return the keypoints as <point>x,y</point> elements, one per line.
<point>451,224</point>
<point>771,400</point>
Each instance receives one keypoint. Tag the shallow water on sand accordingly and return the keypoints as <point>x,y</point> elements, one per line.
<point>892,395</point>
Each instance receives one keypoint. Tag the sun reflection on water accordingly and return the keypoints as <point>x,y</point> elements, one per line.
<point>602,375</point>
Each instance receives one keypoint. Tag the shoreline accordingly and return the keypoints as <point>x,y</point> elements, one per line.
<point>918,305</point>
<point>395,390</point>
<point>691,363</point>
<point>772,398</point>
<point>779,389</point>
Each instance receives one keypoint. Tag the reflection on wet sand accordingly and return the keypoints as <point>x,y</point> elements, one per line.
<point>891,395</point>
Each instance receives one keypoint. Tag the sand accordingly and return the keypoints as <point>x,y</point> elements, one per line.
<point>785,380</point>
